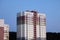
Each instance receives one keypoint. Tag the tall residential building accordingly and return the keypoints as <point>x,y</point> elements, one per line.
<point>31,25</point>
<point>4,30</point>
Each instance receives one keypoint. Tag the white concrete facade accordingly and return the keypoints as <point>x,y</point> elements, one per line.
<point>26,30</point>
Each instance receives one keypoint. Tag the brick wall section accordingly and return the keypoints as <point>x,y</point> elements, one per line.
<point>1,33</point>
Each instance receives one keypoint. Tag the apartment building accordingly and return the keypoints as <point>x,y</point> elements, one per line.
<point>31,25</point>
<point>4,30</point>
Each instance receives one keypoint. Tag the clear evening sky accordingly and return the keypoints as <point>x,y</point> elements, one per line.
<point>10,8</point>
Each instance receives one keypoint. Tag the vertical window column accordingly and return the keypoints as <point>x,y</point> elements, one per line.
<point>34,23</point>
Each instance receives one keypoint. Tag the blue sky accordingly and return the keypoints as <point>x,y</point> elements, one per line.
<point>10,8</point>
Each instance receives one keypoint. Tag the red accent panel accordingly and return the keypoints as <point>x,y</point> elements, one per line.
<point>34,23</point>
<point>1,33</point>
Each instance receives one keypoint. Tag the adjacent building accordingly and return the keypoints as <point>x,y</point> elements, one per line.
<point>4,30</point>
<point>31,25</point>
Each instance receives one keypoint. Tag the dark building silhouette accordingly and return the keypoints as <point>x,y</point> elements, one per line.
<point>49,36</point>
<point>12,35</point>
<point>53,36</point>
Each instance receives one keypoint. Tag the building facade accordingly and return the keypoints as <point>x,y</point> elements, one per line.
<point>31,25</point>
<point>4,30</point>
